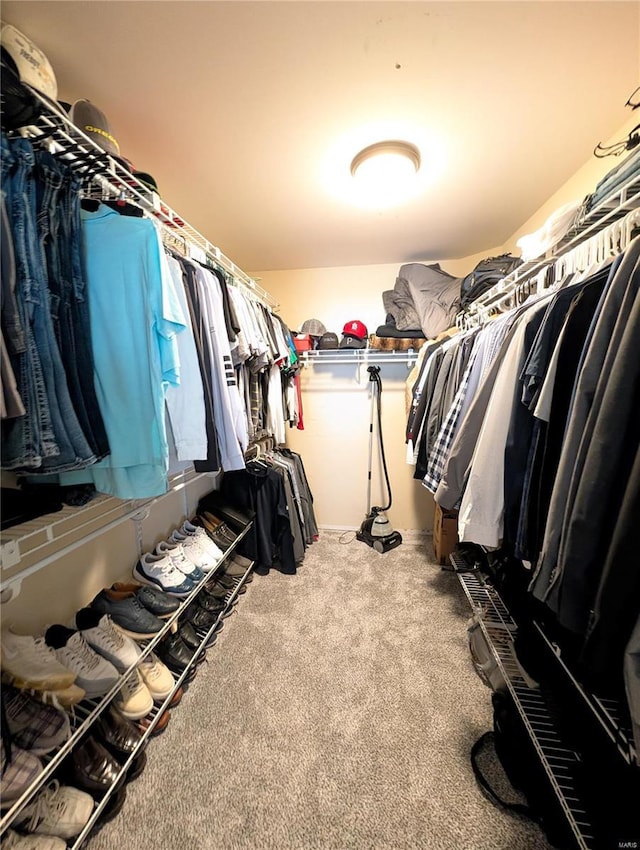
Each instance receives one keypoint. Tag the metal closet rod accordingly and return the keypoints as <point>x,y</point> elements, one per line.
<point>61,136</point>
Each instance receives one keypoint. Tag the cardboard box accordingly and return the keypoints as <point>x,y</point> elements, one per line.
<point>445,533</point>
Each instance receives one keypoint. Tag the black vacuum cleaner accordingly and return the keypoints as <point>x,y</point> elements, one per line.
<point>376,530</point>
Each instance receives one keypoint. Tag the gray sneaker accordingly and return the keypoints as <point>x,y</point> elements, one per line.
<point>100,633</point>
<point>95,675</point>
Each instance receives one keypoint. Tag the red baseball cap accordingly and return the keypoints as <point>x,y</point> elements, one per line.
<point>355,328</point>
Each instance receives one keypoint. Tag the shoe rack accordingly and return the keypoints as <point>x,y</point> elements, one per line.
<point>86,713</point>
<point>552,711</point>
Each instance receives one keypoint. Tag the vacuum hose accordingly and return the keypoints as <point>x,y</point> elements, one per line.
<point>374,377</point>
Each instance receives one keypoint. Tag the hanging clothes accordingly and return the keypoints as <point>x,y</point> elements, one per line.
<point>260,489</point>
<point>135,318</point>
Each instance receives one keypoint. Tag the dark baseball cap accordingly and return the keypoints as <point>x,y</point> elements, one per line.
<point>352,342</point>
<point>94,124</point>
<point>328,341</point>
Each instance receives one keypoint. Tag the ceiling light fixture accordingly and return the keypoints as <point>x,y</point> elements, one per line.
<point>385,173</point>
<point>387,155</point>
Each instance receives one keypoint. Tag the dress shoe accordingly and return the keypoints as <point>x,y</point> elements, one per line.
<point>176,698</point>
<point>137,765</point>
<point>91,767</point>
<point>153,599</point>
<point>199,617</point>
<point>210,603</point>
<point>234,570</point>
<point>160,725</point>
<point>118,735</point>
<point>192,639</point>
<point>224,580</point>
<point>175,653</point>
<point>216,590</point>
<point>128,613</point>
<point>112,809</point>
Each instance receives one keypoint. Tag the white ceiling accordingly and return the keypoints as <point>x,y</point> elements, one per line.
<point>247,113</point>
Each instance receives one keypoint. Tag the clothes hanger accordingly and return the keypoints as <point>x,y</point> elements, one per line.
<point>617,148</point>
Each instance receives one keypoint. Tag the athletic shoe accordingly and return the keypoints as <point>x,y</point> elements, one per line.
<point>206,558</point>
<point>28,662</point>
<point>18,774</point>
<point>128,614</point>
<point>102,636</point>
<point>133,700</point>
<point>158,571</point>
<point>13,841</point>
<point>157,677</point>
<point>153,599</point>
<point>32,725</point>
<point>62,697</point>
<point>58,810</point>
<point>95,675</point>
<point>206,540</point>
<point>179,560</point>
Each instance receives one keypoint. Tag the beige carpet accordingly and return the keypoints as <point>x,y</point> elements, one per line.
<point>336,711</point>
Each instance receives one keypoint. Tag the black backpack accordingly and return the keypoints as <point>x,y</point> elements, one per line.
<point>523,768</point>
<point>487,273</point>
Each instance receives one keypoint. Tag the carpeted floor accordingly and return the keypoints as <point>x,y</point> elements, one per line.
<point>335,712</point>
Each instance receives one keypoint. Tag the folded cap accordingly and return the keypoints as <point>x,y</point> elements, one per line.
<point>313,327</point>
<point>93,123</point>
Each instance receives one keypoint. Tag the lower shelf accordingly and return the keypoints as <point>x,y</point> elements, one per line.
<point>85,713</point>
<point>559,761</point>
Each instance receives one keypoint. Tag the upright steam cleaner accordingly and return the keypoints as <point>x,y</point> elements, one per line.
<point>376,530</point>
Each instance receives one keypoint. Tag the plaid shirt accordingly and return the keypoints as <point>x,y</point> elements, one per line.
<point>444,440</point>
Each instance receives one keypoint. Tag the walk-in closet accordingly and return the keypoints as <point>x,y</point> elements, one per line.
<point>320,400</point>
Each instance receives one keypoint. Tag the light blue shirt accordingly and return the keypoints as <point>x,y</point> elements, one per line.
<point>135,316</point>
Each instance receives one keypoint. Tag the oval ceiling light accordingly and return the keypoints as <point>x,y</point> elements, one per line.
<point>385,171</point>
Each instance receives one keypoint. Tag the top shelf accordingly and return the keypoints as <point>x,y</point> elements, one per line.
<point>54,129</point>
<point>358,356</point>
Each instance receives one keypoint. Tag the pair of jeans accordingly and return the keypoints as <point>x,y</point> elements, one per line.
<point>28,439</point>
<point>28,197</point>
<point>58,217</point>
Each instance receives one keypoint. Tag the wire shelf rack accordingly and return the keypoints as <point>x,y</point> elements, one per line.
<point>559,761</point>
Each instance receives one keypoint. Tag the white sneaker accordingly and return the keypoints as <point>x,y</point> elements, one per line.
<point>13,841</point>
<point>29,663</point>
<point>200,534</point>
<point>195,552</point>
<point>134,699</point>
<point>179,560</point>
<point>158,571</point>
<point>157,677</point>
<point>94,673</point>
<point>102,636</point>
<point>58,810</point>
